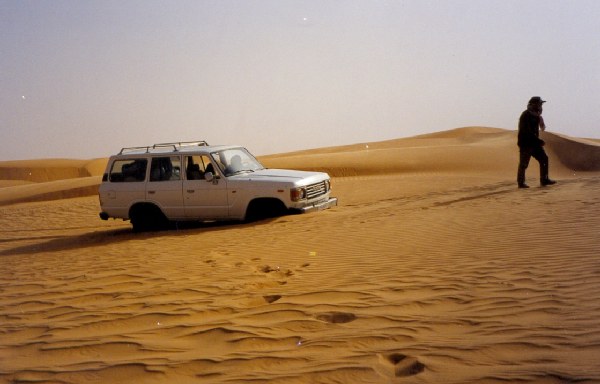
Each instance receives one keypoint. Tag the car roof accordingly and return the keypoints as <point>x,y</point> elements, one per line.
<point>173,148</point>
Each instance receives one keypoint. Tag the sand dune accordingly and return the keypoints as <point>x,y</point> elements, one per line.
<point>468,151</point>
<point>576,154</point>
<point>50,169</point>
<point>464,150</point>
<point>434,268</point>
<point>51,190</point>
<point>49,179</point>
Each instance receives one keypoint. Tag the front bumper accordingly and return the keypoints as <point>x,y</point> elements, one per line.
<point>320,205</point>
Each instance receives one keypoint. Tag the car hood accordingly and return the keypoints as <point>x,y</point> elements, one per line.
<point>282,175</point>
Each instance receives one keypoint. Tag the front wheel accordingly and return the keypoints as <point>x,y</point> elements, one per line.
<point>264,209</point>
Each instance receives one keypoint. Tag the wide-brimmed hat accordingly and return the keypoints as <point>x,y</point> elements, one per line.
<point>536,100</point>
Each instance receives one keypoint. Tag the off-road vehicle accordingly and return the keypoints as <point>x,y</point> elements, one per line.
<point>193,181</point>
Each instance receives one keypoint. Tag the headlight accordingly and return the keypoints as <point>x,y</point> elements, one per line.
<point>297,194</point>
<point>327,185</point>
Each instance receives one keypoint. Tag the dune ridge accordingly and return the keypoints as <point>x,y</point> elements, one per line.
<point>436,274</point>
<point>45,170</point>
<point>49,179</point>
<point>463,150</point>
<point>576,154</point>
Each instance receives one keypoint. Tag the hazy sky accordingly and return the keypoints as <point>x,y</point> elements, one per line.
<point>81,79</point>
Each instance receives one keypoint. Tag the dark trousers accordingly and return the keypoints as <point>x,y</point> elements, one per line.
<point>537,153</point>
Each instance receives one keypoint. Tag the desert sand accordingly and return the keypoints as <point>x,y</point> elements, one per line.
<point>434,268</point>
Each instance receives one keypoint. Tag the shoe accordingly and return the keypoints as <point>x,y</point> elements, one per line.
<point>523,185</point>
<point>547,182</point>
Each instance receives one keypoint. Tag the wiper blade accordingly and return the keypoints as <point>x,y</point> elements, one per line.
<point>240,171</point>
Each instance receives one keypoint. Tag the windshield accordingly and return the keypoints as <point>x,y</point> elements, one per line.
<point>236,160</point>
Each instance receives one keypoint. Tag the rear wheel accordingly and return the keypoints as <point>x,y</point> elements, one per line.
<point>147,217</point>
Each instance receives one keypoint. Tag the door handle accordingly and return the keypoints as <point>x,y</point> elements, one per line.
<point>191,191</point>
<point>151,192</point>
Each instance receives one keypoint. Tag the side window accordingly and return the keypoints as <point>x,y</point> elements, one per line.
<point>165,168</point>
<point>128,170</point>
<point>197,166</point>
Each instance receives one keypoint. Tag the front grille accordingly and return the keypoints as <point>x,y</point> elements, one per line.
<point>316,190</point>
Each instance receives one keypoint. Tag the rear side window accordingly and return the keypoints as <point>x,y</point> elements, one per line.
<point>128,170</point>
<point>165,168</point>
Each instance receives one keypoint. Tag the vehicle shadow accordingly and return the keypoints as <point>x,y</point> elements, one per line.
<point>58,243</point>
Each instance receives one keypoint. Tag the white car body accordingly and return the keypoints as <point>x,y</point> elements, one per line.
<point>193,181</point>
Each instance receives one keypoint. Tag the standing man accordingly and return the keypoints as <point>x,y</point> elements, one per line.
<point>530,143</point>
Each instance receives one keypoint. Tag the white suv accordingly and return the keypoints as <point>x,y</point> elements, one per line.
<point>193,181</point>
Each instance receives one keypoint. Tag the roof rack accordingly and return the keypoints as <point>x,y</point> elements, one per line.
<point>176,146</point>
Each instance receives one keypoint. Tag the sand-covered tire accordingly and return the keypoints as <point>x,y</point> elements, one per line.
<point>259,209</point>
<point>147,217</point>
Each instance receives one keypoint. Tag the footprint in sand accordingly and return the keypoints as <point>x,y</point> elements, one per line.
<point>405,365</point>
<point>271,298</point>
<point>277,270</point>
<point>336,317</point>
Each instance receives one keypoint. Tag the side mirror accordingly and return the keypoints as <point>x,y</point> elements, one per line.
<point>209,177</point>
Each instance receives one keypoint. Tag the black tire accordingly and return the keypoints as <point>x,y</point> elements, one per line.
<point>260,209</point>
<point>147,217</point>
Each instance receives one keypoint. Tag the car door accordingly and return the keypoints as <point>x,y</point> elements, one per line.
<point>164,186</point>
<point>204,199</point>
<point>123,185</point>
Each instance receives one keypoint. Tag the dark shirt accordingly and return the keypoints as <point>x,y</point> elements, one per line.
<point>529,130</point>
